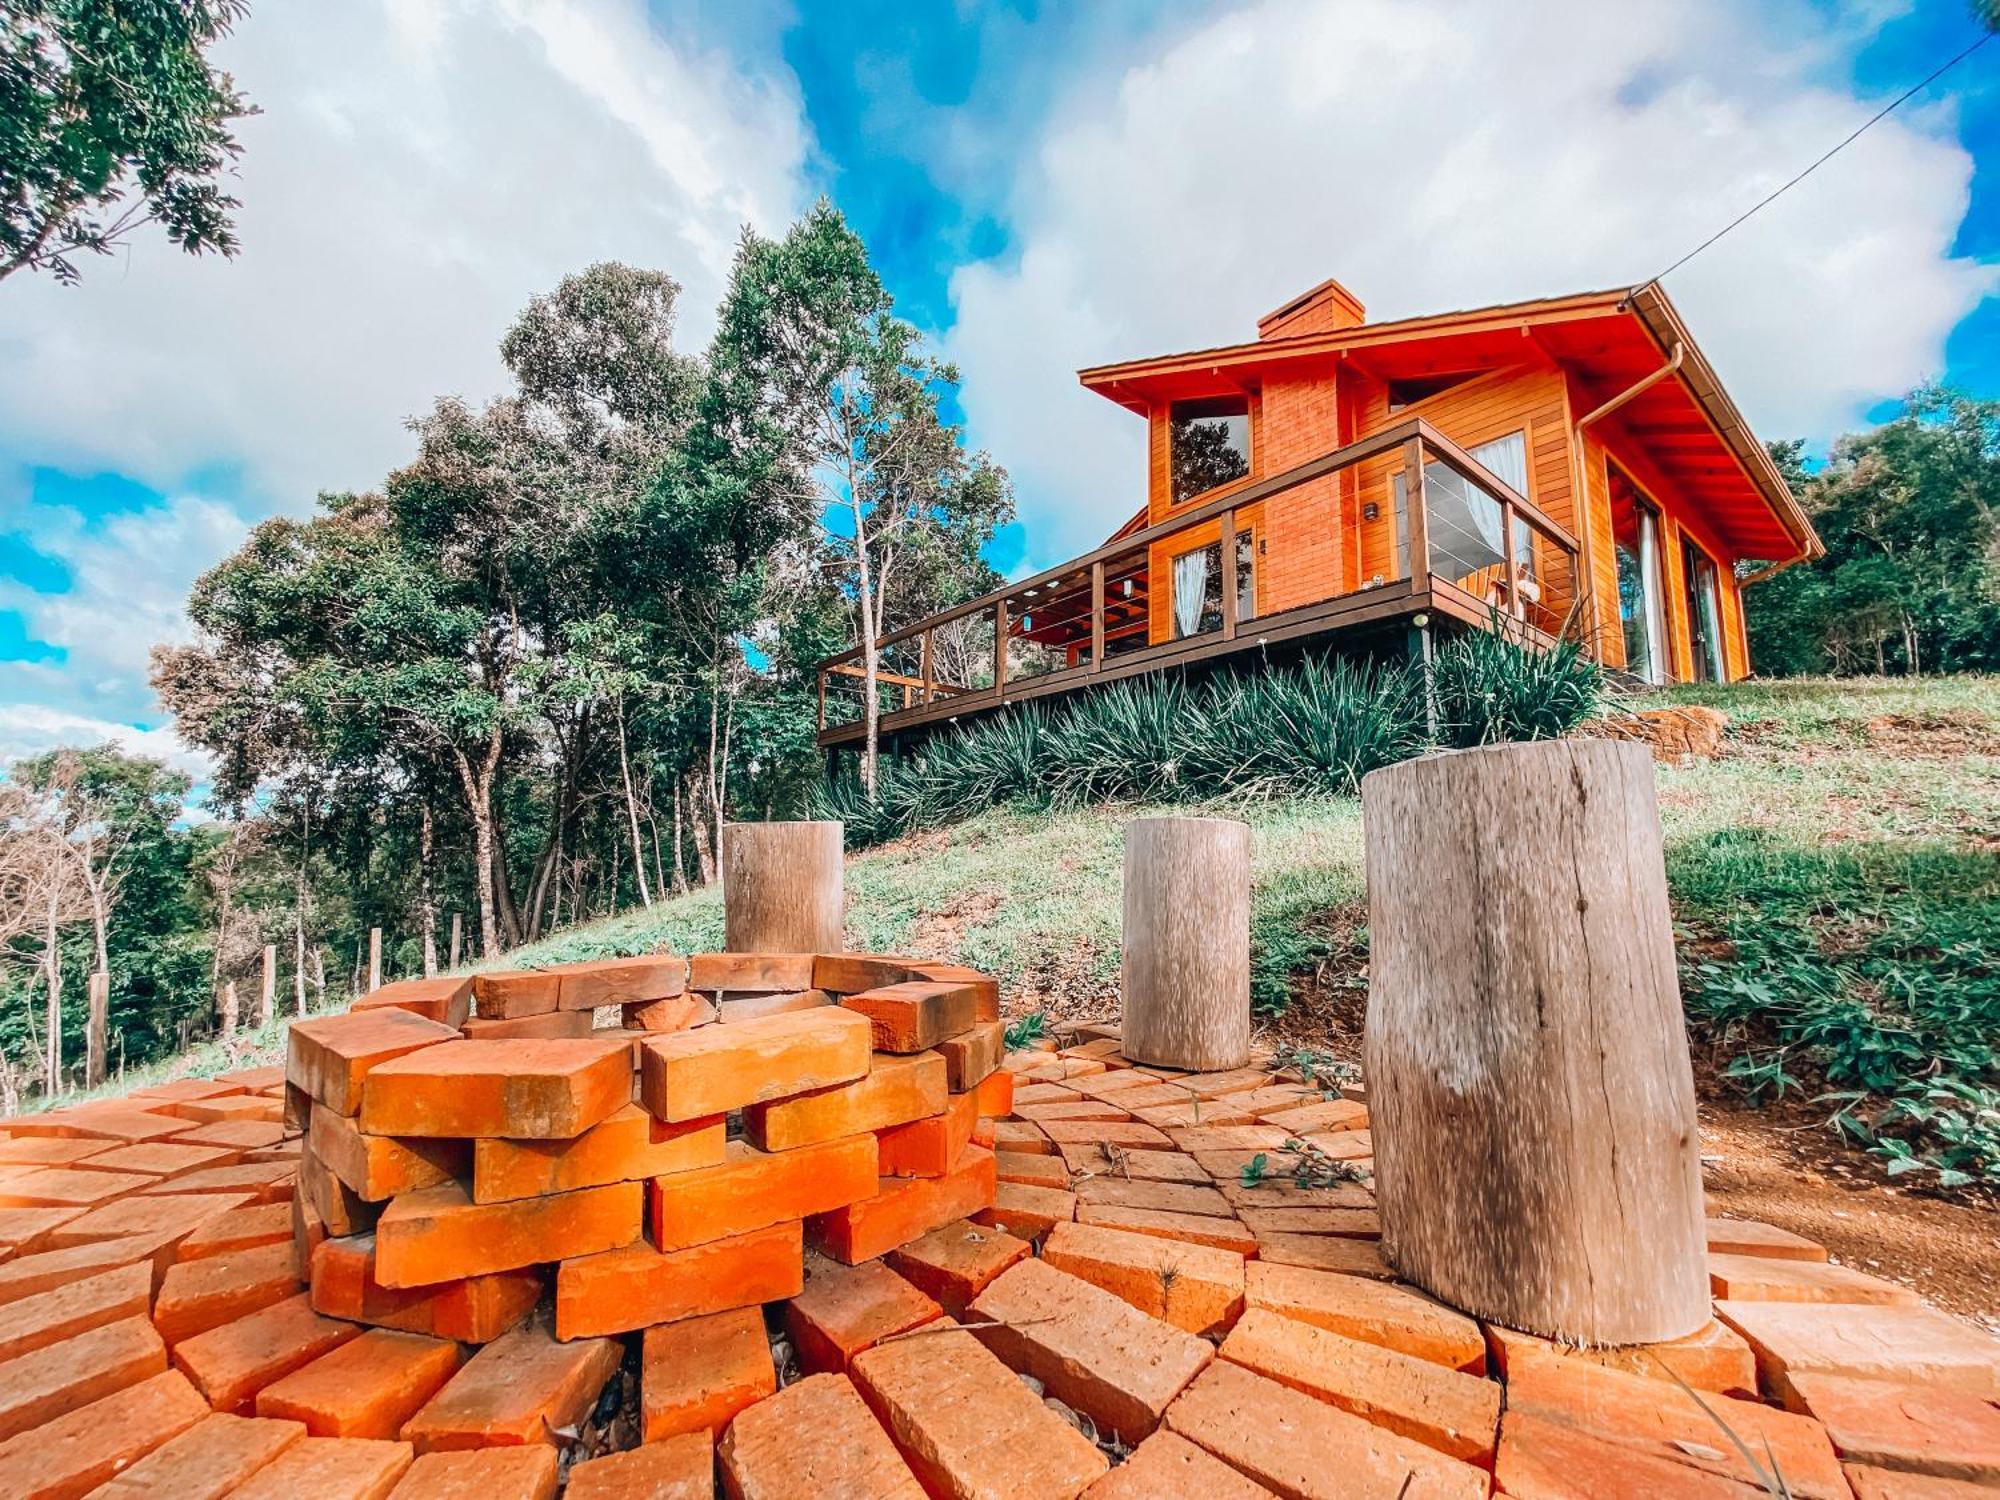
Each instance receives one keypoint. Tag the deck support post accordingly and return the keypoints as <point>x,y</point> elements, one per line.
<point>1186,970</point>
<point>1000,650</point>
<point>1525,1045</point>
<point>781,887</point>
<point>1097,616</point>
<point>1227,562</point>
<point>1417,516</point>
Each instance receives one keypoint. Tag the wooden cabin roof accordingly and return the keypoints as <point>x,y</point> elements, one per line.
<point>1610,340</point>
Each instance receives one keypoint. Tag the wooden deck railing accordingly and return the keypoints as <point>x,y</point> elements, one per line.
<point>994,649</point>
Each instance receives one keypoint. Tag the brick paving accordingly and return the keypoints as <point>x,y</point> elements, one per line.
<point>799,1226</point>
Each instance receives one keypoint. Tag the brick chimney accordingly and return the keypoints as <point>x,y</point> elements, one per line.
<point>1319,310</point>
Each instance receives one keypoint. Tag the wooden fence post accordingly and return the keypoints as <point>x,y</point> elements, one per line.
<point>1536,1156</point>
<point>781,888</point>
<point>374,959</point>
<point>1186,970</point>
<point>267,994</point>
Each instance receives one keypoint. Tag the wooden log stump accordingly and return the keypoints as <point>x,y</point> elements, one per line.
<point>781,888</point>
<point>1186,971</point>
<point>1536,1157</point>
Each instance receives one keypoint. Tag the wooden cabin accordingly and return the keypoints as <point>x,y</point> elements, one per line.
<point>1562,467</point>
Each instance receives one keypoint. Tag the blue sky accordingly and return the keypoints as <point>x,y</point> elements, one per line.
<point>1042,185</point>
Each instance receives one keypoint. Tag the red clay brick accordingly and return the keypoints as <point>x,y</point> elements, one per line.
<point>815,1437</point>
<point>629,1146</point>
<point>1915,1345</point>
<point>239,1229</point>
<point>552,1026</point>
<point>904,1208</point>
<point>52,1150</point>
<point>995,1095</point>
<point>446,999</point>
<point>70,1456</point>
<point>715,1069</point>
<point>1660,1420</point>
<point>484,1474</point>
<point>533,1089</point>
<point>982,1133</point>
<point>955,1262</point>
<point>508,994</point>
<point>206,1462</point>
<point>1197,1288</point>
<point>130,1125</point>
<point>230,1364</point>
<point>1090,1349</point>
<point>932,1147</point>
<point>68,1187</point>
<point>1748,1237</point>
<point>1316,1114</point>
<point>160,1159</point>
<point>620,1290</point>
<point>329,1056</point>
<point>53,1379</point>
<point>1543,1460</point>
<point>1282,1192</point>
<point>738,1008</point>
<point>263,1181</point>
<point>1199,1138</point>
<point>619,981</point>
<point>1353,1223</point>
<point>1326,1252</point>
<point>676,1013</point>
<point>339,1208</point>
<point>966,1425</point>
<point>235,1135</point>
<point>344,1286</point>
<point>753,1188</point>
<point>1304,1449</point>
<point>681,1468</point>
<point>985,988</point>
<point>1129,1133</point>
<point>1142,1166</point>
<point>1070,1109</point>
<point>184,1088</point>
<point>1952,1434</point>
<point>1394,1317</point>
<point>479,1309</point>
<point>440,1234</point>
<point>1757,1278</point>
<point>697,1374</point>
<point>1166,1197</point>
<point>517,1390</point>
<point>330,1469</point>
<point>1031,1169</point>
<point>1442,1408</point>
<point>1019,1135</point>
<point>896,1091</point>
<point>750,971</point>
<point>1870,1483</point>
<point>34,1275</point>
<point>381,1166</point>
<point>1030,1212</point>
<point>1712,1358</point>
<point>851,973</point>
<point>843,1310</point>
<point>973,1055</point>
<point>367,1388</point>
<point>198,1295</point>
<point>75,1307</point>
<point>1195,1229</point>
<point>1168,1467</point>
<point>24,1231</point>
<point>914,1016</point>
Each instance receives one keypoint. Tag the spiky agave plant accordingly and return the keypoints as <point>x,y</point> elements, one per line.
<point>1329,722</point>
<point>1490,688</point>
<point>1123,743</point>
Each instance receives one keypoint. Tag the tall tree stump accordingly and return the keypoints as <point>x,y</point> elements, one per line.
<point>781,888</point>
<point>1186,970</point>
<point>1536,1159</point>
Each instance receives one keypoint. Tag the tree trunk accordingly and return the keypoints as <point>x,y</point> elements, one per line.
<point>52,975</point>
<point>478,790</point>
<point>426,891</point>
<point>267,989</point>
<point>100,1015</point>
<point>230,1011</point>
<point>298,950</point>
<point>374,959</point>
<point>457,935</point>
<point>1186,970</point>
<point>781,888</point>
<point>632,813</point>
<point>1536,1155</point>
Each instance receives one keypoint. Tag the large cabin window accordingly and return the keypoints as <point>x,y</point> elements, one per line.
<point>1635,528</point>
<point>1704,607</point>
<point>1464,521</point>
<point>1208,444</point>
<point>1198,586</point>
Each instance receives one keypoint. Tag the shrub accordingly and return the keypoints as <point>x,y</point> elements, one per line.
<point>1489,690</point>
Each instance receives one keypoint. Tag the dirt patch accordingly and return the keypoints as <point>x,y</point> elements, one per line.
<point>1800,1178</point>
<point>943,930</point>
<point>1945,736</point>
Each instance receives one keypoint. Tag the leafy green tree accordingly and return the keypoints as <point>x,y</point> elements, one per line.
<point>1910,514</point>
<point>842,408</point>
<point>112,117</point>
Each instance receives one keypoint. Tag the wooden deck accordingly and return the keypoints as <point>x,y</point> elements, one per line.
<point>1091,621</point>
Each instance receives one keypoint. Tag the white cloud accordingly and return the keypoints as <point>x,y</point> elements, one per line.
<point>421,168</point>
<point>31,728</point>
<point>1434,155</point>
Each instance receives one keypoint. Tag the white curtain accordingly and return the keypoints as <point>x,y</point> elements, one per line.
<point>1655,666</point>
<point>1190,588</point>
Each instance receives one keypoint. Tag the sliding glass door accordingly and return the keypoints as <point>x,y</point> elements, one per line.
<point>1704,607</point>
<point>1635,526</point>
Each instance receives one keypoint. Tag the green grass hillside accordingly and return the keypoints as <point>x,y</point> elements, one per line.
<point>1835,876</point>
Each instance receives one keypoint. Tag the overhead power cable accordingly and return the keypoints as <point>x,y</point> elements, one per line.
<point>1861,130</point>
